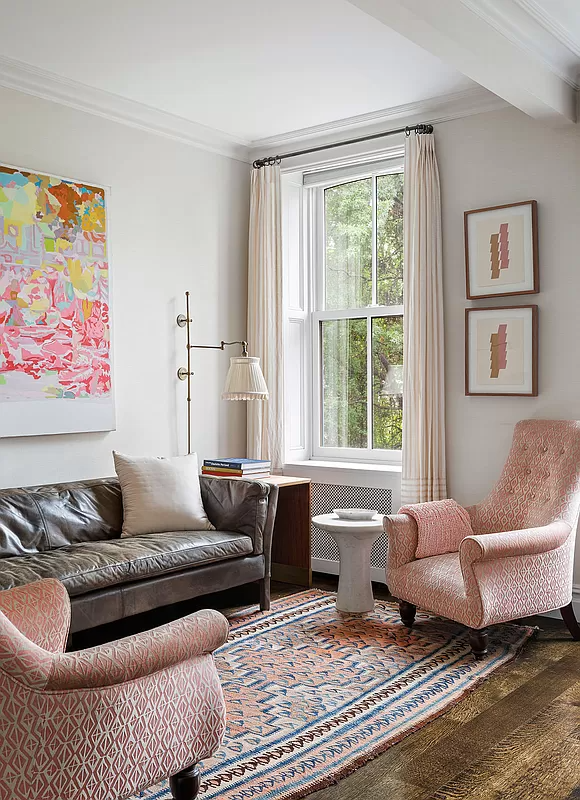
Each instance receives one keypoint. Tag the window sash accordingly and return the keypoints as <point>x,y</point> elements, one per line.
<point>368,453</point>
<point>320,314</point>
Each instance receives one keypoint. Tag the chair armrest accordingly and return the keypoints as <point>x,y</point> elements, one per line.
<point>242,506</point>
<point>40,611</point>
<point>527,542</point>
<point>403,537</point>
<point>139,655</point>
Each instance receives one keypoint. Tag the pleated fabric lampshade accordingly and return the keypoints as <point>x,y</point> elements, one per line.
<point>245,380</point>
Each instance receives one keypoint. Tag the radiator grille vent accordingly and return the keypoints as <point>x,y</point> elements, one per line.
<point>326,496</point>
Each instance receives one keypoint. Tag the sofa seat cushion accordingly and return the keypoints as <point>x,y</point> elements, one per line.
<point>88,566</point>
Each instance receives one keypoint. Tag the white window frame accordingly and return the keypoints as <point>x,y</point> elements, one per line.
<point>316,252</point>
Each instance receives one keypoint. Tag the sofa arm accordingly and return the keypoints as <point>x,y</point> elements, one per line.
<point>40,611</point>
<point>139,655</point>
<point>527,542</point>
<point>403,537</point>
<point>242,506</point>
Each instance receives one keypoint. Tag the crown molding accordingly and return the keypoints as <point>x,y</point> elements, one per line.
<point>48,86</point>
<point>524,24</point>
<point>434,110</point>
<point>550,24</point>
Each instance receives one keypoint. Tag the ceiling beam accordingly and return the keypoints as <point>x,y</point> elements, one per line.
<point>462,38</point>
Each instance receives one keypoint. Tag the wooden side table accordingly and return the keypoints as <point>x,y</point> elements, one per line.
<point>291,550</point>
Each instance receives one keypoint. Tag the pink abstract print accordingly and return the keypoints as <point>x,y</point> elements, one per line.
<point>54,289</point>
<point>498,351</point>
<point>499,250</point>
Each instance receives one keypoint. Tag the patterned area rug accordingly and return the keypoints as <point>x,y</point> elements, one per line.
<point>313,694</point>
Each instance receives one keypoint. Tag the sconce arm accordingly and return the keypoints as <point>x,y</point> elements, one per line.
<point>220,346</point>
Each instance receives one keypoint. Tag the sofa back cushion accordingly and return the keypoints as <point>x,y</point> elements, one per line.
<point>40,518</point>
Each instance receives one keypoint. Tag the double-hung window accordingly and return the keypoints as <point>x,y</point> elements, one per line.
<point>356,251</point>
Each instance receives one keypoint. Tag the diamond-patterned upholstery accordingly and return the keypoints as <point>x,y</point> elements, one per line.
<point>520,559</point>
<point>104,723</point>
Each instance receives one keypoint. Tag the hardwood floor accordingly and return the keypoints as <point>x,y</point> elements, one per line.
<point>517,737</point>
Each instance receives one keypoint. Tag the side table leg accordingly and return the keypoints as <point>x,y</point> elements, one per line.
<point>355,592</point>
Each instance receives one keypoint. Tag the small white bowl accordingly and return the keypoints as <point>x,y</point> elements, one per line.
<point>359,514</point>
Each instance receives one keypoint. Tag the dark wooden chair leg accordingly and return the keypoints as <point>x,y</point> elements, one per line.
<point>407,612</point>
<point>185,785</point>
<point>570,619</point>
<point>478,642</point>
<point>265,594</point>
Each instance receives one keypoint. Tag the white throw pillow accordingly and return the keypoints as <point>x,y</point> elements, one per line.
<point>160,494</point>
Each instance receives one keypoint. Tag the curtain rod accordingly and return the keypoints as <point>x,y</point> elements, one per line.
<point>270,160</point>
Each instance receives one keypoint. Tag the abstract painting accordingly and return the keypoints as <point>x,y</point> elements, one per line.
<point>501,351</point>
<point>55,318</point>
<point>501,250</point>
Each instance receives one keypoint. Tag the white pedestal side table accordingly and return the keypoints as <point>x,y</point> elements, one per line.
<point>354,539</point>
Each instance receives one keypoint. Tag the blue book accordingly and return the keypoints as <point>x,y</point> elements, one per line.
<point>244,464</point>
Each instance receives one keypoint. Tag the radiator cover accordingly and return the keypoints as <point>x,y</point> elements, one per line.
<point>326,497</point>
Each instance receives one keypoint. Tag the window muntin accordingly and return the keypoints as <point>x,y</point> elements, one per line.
<point>358,329</point>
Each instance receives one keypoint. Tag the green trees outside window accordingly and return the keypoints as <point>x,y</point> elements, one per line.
<point>362,407</point>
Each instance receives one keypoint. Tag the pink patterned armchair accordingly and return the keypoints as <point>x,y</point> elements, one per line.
<point>104,723</point>
<point>520,559</point>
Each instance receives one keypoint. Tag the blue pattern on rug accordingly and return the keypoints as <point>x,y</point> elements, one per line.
<point>312,693</point>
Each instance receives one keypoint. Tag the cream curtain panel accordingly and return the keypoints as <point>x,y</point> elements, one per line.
<point>265,318</point>
<point>423,477</point>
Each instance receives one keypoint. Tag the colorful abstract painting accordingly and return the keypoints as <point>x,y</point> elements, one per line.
<point>55,331</point>
<point>501,250</point>
<point>502,350</point>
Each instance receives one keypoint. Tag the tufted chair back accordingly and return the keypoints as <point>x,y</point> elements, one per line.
<point>540,482</point>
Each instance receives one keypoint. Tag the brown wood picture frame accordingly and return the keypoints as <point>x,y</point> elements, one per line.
<point>534,251</point>
<point>533,351</point>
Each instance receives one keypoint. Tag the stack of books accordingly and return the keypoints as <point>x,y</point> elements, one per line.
<point>236,467</point>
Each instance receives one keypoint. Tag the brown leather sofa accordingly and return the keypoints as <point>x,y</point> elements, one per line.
<point>71,531</point>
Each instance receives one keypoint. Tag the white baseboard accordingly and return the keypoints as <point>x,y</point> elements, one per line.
<point>329,567</point>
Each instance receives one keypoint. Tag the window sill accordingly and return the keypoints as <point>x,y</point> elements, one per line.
<point>350,466</point>
<point>350,473</point>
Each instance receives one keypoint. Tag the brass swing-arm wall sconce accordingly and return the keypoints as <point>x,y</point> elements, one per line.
<point>244,380</point>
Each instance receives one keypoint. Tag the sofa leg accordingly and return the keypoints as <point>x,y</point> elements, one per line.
<point>185,785</point>
<point>265,594</point>
<point>478,642</point>
<point>570,619</point>
<point>407,612</point>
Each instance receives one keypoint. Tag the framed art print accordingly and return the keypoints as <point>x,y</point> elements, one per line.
<point>55,318</point>
<point>501,351</point>
<point>501,250</point>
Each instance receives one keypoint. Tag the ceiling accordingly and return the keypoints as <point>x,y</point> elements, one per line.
<point>231,74</point>
<point>252,69</point>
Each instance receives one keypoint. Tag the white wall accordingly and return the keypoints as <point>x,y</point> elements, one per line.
<point>489,159</point>
<point>484,160</point>
<point>178,220</point>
